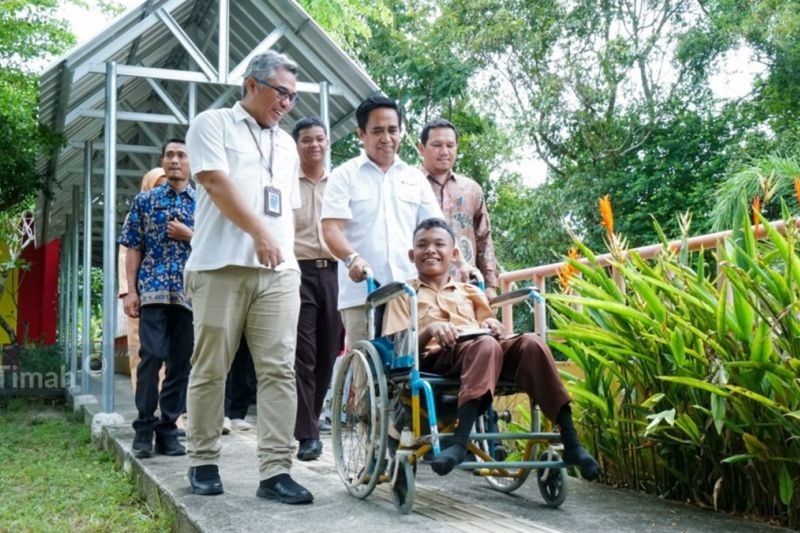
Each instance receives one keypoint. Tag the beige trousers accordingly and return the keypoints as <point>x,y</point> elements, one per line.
<point>264,305</point>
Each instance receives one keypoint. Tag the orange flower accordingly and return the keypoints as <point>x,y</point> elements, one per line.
<point>607,214</point>
<point>567,272</point>
<point>756,209</point>
<point>797,188</point>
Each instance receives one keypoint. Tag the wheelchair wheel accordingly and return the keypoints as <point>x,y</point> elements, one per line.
<point>552,481</point>
<point>509,414</point>
<point>358,425</point>
<point>404,489</point>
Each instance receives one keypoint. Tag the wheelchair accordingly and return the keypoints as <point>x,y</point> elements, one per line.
<point>386,417</point>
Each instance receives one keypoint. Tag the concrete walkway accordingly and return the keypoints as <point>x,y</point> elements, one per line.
<point>458,502</point>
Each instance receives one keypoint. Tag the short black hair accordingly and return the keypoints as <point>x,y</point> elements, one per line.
<point>305,123</point>
<point>375,102</point>
<point>434,124</point>
<point>168,141</point>
<point>431,223</point>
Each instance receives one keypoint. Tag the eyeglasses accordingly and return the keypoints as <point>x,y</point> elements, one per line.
<point>283,94</point>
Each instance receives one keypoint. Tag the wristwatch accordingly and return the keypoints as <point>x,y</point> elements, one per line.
<point>348,261</point>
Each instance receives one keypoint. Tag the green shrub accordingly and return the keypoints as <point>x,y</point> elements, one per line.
<point>692,380</point>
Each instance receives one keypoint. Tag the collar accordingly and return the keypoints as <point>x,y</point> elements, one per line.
<point>323,178</point>
<point>167,190</point>
<point>452,176</point>
<point>240,114</point>
<point>417,284</point>
<point>363,159</point>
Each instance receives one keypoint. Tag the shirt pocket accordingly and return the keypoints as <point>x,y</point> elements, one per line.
<point>409,193</point>
<point>466,310</point>
<point>244,159</point>
<point>363,193</point>
<point>303,216</point>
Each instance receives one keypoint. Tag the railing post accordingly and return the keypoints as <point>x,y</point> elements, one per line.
<point>508,310</point>
<point>540,309</point>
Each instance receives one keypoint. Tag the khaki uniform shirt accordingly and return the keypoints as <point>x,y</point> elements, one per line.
<point>308,242</point>
<point>460,303</point>
<point>464,208</point>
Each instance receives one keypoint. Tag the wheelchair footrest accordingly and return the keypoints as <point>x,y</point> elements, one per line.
<point>506,465</point>
<point>540,437</point>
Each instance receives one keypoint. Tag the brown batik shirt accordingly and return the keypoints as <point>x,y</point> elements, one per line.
<point>464,208</point>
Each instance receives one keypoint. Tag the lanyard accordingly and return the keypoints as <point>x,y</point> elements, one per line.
<point>261,153</point>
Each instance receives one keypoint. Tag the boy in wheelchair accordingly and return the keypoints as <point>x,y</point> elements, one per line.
<point>449,312</point>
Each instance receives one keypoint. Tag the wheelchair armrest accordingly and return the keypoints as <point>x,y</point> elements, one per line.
<point>387,292</point>
<point>516,296</point>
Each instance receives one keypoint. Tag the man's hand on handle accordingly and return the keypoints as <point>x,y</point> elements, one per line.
<point>358,270</point>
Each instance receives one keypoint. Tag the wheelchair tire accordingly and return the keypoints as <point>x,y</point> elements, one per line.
<point>552,481</point>
<point>404,488</point>
<point>508,416</point>
<point>359,422</point>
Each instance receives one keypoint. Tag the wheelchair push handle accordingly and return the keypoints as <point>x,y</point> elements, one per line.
<point>371,285</point>
<point>476,278</point>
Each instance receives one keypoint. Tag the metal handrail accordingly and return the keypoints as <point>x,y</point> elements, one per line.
<point>539,274</point>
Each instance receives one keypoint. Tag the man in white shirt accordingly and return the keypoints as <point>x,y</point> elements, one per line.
<point>371,206</point>
<point>242,274</point>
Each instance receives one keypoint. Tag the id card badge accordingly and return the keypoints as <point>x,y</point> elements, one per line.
<point>272,201</point>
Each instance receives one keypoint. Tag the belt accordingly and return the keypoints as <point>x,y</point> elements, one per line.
<point>318,263</point>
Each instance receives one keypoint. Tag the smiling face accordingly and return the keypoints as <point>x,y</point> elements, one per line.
<point>381,137</point>
<point>269,104</point>
<point>433,252</point>
<point>312,144</point>
<point>439,153</point>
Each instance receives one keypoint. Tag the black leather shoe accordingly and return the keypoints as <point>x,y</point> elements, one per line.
<point>169,445</point>
<point>205,480</point>
<point>142,447</point>
<point>284,489</point>
<point>309,449</point>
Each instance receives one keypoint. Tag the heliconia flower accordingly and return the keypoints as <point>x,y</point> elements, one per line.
<point>567,272</point>
<point>756,209</point>
<point>607,214</point>
<point>797,188</point>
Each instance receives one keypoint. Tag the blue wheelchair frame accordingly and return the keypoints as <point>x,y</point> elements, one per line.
<point>418,382</point>
<point>375,368</point>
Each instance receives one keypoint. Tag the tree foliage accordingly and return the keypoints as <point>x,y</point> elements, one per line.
<point>30,32</point>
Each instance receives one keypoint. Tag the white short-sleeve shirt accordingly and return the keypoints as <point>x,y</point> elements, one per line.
<point>219,139</point>
<point>381,212</point>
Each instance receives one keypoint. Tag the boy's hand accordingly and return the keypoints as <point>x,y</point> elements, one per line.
<point>445,333</point>
<point>495,325</point>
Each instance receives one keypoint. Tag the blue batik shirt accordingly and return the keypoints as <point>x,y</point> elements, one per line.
<point>160,277</point>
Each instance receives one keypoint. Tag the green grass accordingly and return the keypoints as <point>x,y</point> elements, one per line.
<point>53,479</point>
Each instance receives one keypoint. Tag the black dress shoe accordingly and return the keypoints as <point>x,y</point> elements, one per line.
<point>309,449</point>
<point>205,480</point>
<point>142,447</point>
<point>284,489</point>
<point>169,445</point>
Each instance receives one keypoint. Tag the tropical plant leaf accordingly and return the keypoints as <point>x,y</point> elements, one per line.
<point>695,383</point>
<point>755,447</point>
<point>738,458</point>
<point>786,485</point>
